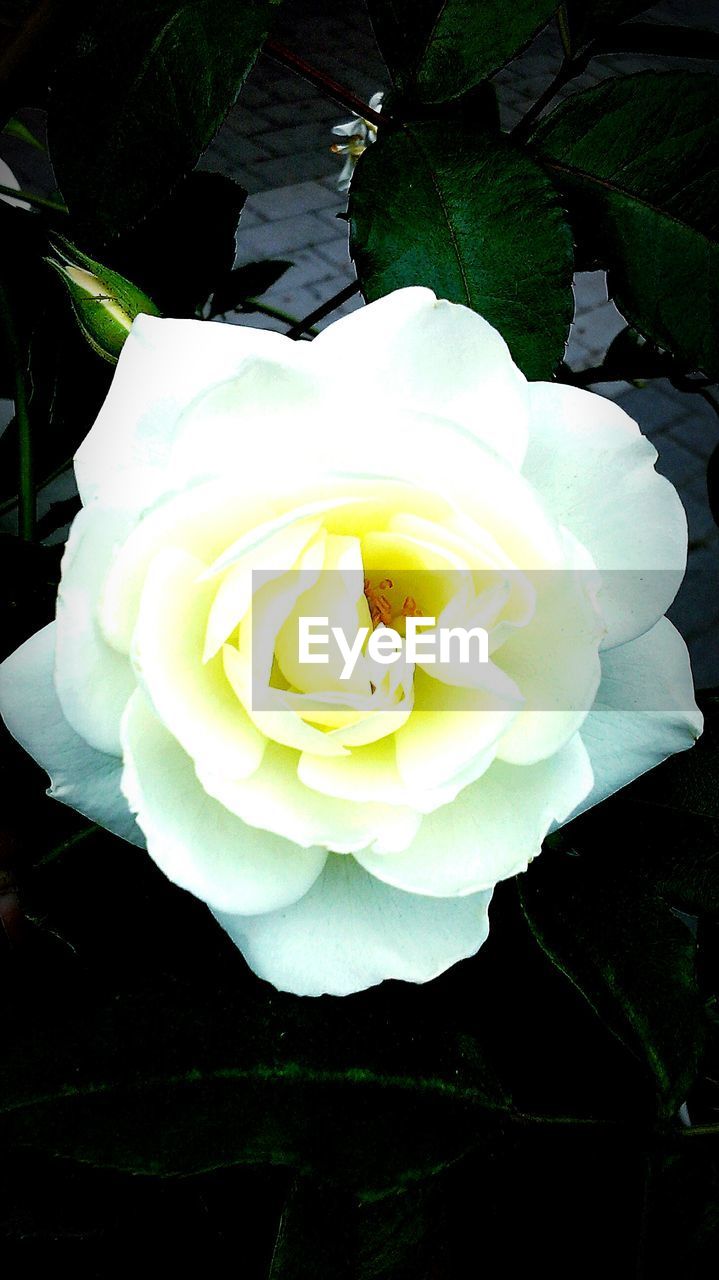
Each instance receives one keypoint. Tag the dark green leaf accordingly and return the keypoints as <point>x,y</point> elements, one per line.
<point>475,219</point>
<point>170,1057</point>
<point>325,1232</point>
<point>57,516</point>
<point>437,49</point>
<point>713,484</point>
<point>585,20</point>
<point>661,39</point>
<point>632,356</point>
<point>68,384</point>
<point>16,129</point>
<point>663,828</point>
<point>689,781</point>
<point>630,958</point>
<point>638,158</point>
<point>248,281</point>
<point>30,577</point>
<point>186,245</point>
<point>139,96</point>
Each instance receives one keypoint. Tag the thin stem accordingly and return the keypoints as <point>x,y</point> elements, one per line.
<point>346,98</point>
<point>276,314</point>
<point>70,843</point>
<point>12,502</point>
<point>31,197</point>
<point>563,24</point>
<point>26,485</point>
<point>570,68</point>
<point>701,1131</point>
<point>305,326</point>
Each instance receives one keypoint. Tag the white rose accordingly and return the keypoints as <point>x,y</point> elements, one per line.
<point>364,846</point>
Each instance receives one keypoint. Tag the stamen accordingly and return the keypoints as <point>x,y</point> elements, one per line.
<point>410,608</point>
<point>380,609</point>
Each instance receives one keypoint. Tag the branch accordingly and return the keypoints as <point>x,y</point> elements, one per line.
<point>26,487</point>
<point>573,65</point>
<point>304,326</point>
<point>30,197</point>
<point>346,98</point>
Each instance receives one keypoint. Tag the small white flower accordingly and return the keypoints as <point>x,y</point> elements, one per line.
<point>359,134</point>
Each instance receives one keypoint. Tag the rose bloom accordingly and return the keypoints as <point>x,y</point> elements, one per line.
<point>347,833</point>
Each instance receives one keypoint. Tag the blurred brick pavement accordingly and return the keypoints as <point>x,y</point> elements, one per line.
<point>276,143</point>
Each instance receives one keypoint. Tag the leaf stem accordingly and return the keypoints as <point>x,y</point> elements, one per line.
<point>59,849</point>
<point>26,486</point>
<point>31,197</point>
<point>570,68</point>
<point>275,313</point>
<point>585,377</point>
<point>700,1131</point>
<point>305,326</point>
<point>9,503</point>
<point>563,24</point>
<point>346,98</point>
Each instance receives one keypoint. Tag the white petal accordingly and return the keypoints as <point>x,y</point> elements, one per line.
<point>274,799</point>
<point>194,700</point>
<point>163,366</point>
<point>94,682</point>
<point>81,777</point>
<point>492,830</point>
<point>272,393</point>
<point>193,839</point>
<point>351,932</point>
<point>555,662</point>
<point>595,471</point>
<point>437,357</point>
<point>450,731</point>
<point>351,128</point>
<point>644,710</point>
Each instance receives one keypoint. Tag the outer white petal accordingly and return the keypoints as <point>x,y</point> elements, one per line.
<point>351,932</point>
<point>274,799</point>
<point>492,830</point>
<point>94,682</point>
<point>437,357</point>
<point>644,710</point>
<point>595,471</point>
<point>87,780</point>
<point>163,366</point>
<point>193,839</point>
<point>555,662</point>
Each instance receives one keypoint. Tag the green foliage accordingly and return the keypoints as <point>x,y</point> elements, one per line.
<point>185,246</point>
<point>472,217</point>
<point>251,280</point>
<point>438,49</point>
<point>584,22</point>
<point>16,129</point>
<point>637,158</point>
<point>632,960</point>
<point>159,78</point>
